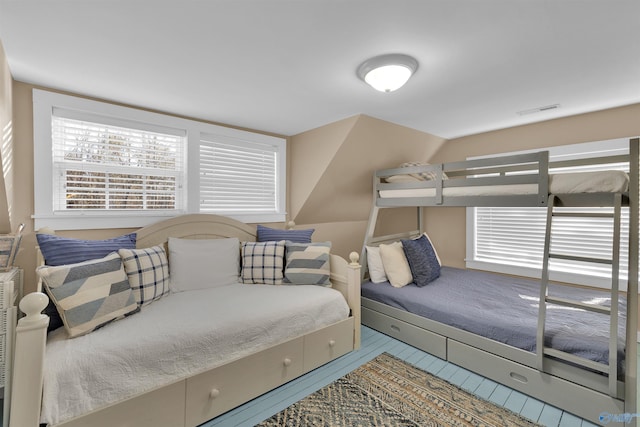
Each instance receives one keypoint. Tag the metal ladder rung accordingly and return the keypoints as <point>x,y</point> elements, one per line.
<point>596,366</point>
<point>581,258</point>
<point>577,304</point>
<point>584,214</point>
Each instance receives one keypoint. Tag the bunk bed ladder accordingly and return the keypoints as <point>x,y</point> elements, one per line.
<point>610,369</point>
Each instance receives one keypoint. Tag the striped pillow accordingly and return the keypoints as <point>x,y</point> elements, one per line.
<point>266,234</point>
<point>148,273</point>
<point>58,250</point>
<point>89,294</point>
<point>308,263</point>
<point>262,262</point>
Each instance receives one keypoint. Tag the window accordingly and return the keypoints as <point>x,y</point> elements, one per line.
<point>237,177</point>
<point>102,167</point>
<point>511,240</point>
<point>99,165</point>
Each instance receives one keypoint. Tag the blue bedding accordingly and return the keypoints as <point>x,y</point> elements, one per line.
<point>505,309</point>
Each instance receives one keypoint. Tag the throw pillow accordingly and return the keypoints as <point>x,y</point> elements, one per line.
<point>58,250</point>
<point>308,263</point>
<point>374,265</point>
<point>266,234</point>
<point>395,263</point>
<point>89,294</point>
<point>422,260</point>
<point>148,273</point>
<point>262,262</point>
<point>203,263</point>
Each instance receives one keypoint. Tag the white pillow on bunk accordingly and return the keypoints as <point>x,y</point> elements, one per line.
<point>395,263</point>
<point>374,265</point>
<point>203,263</point>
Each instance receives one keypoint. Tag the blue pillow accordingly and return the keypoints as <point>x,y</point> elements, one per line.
<point>266,234</point>
<point>422,260</point>
<point>58,250</point>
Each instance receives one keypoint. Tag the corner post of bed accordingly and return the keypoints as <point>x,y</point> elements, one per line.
<point>631,357</point>
<point>353,297</point>
<point>28,368</point>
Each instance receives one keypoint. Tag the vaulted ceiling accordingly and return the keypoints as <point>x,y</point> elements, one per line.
<point>287,66</point>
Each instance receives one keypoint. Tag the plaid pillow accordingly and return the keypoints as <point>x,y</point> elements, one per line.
<point>308,263</point>
<point>89,294</point>
<point>262,262</point>
<point>148,272</point>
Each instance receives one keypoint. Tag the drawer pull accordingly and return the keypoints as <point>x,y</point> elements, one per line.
<point>214,393</point>
<point>286,361</point>
<point>332,343</point>
<point>519,377</point>
<point>395,328</point>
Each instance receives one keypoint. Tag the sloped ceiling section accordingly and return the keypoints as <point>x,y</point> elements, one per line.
<point>333,181</point>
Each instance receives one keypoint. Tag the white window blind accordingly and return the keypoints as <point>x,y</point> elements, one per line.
<point>238,177</point>
<point>511,239</point>
<point>100,166</point>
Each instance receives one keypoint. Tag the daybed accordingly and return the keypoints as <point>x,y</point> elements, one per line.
<point>468,317</point>
<point>184,357</point>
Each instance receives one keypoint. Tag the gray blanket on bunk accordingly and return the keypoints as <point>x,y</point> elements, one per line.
<point>505,309</point>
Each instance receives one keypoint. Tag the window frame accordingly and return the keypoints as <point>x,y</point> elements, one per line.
<point>44,104</point>
<point>589,149</point>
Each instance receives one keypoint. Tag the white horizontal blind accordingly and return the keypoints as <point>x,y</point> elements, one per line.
<point>514,236</point>
<point>100,166</point>
<point>238,177</point>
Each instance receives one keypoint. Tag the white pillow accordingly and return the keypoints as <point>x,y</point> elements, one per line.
<point>395,263</point>
<point>375,266</point>
<point>203,263</point>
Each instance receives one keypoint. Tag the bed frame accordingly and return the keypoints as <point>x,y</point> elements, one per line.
<point>194,400</point>
<point>580,391</point>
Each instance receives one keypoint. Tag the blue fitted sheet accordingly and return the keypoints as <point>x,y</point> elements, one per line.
<point>505,309</point>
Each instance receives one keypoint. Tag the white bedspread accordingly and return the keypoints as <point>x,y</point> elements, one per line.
<point>178,336</point>
<point>566,183</point>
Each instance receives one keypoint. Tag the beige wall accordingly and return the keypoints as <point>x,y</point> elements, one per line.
<point>331,174</point>
<point>6,143</point>
<point>447,226</point>
<point>330,170</point>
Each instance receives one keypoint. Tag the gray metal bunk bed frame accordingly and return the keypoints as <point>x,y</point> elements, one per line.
<point>579,387</point>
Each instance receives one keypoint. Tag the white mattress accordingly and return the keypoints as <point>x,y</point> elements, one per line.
<point>178,336</point>
<point>566,183</point>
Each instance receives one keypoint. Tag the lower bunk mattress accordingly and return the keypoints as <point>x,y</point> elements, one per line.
<point>175,337</point>
<point>505,309</point>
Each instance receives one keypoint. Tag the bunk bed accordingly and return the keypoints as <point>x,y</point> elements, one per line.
<point>583,378</point>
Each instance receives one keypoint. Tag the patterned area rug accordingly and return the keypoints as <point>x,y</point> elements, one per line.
<point>389,392</point>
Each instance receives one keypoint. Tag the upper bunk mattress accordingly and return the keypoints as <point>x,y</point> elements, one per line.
<point>563,183</point>
<point>177,336</point>
<point>505,309</point>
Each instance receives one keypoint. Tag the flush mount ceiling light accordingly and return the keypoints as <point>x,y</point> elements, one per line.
<point>387,73</point>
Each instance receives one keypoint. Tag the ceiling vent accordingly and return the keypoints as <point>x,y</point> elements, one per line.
<point>539,109</point>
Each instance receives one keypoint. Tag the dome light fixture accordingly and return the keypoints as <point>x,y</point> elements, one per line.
<point>387,73</point>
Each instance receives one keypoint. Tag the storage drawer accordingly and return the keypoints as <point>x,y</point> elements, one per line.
<point>163,407</point>
<point>421,338</point>
<point>322,346</point>
<point>589,404</point>
<point>214,392</point>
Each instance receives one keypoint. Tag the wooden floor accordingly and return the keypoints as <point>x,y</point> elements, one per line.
<point>374,343</point>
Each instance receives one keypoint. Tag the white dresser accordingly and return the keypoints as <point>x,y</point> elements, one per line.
<point>10,292</point>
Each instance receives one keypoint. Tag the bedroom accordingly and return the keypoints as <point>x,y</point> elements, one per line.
<point>330,157</point>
